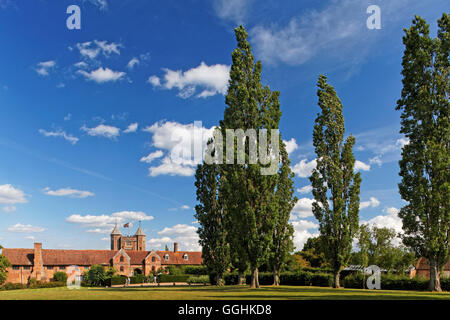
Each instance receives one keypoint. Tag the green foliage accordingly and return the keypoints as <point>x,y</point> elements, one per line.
<point>314,253</point>
<point>198,279</point>
<point>116,280</point>
<point>388,282</point>
<point>424,166</point>
<point>335,184</point>
<point>173,278</point>
<point>32,285</point>
<point>4,264</point>
<point>96,276</point>
<point>60,276</point>
<point>111,272</point>
<point>176,270</point>
<point>196,270</point>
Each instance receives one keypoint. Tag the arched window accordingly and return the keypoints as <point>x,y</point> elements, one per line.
<point>121,259</point>
<point>121,269</point>
<point>153,259</point>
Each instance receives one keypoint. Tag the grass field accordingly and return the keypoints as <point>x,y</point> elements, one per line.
<point>213,293</point>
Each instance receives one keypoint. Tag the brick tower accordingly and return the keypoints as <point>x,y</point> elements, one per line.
<point>116,238</point>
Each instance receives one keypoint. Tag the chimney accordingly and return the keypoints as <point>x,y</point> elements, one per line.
<point>175,247</point>
<point>38,268</point>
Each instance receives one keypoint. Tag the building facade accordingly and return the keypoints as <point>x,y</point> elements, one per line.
<point>423,269</point>
<point>127,255</point>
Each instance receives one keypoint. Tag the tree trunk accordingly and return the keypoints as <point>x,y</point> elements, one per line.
<point>240,276</point>
<point>336,280</point>
<point>276,277</point>
<point>435,276</point>
<point>219,280</point>
<point>255,280</point>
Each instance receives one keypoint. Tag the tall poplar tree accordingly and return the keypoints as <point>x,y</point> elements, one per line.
<point>250,196</point>
<point>335,184</point>
<point>424,166</point>
<point>283,232</point>
<point>211,217</point>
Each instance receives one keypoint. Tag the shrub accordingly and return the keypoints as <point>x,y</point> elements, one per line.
<point>198,280</point>
<point>13,286</point>
<point>96,276</point>
<point>445,283</point>
<point>321,279</point>
<point>60,276</point>
<point>196,270</point>
<point>388,282</point>
<point>173,278</point>
<point>138,278</point>
<point>116,280</point>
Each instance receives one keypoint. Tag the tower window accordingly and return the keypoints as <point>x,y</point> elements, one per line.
<point>121,269</point>
<point>153,259</point>
<point>121,259</point>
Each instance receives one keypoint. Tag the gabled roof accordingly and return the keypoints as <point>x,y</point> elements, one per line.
<point>423,264</point>
<point>139,232</point>
<point>194,257</point>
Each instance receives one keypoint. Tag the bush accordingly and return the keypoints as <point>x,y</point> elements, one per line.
<point>445,283</point>
<point>116,280</point>
<point>198,280</point>
<point>60,276</point>
<point>96,276</point>
<point>196,270</point>
<point>388,282</point>
<point>173,278</point>
<point>138,278</point>
<point>13,286</point>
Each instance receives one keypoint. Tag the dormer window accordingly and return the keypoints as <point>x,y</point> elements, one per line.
<point>185,256</point>
<point>166,257</point>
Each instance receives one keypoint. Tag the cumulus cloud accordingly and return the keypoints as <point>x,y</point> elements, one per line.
<point>60,133</point>
<point>10,195</point>
<point>302,232</point>
<point>233,10</point>
<point>178,140</point>
<point>359,165</point>
<point>105,223</point>
<point>68,192</point>
<point>391,220</point>
<point>91,49</point>
<point>291,145</point>
<point>102,130</point>
<point>152,156</point>
<point>373,202</point>
<point>28,228</point>
<point>305,189</point>
<point>303,208</point>
<point>184,234</point>
<point>211,80</point>
<point>43,68</point>
<point>102,75</point>
<point>131,128</point>
<point>304,169</point>
<point>9,209</point>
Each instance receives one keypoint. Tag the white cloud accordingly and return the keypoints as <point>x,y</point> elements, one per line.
<point>11,195</point>
<point>152,156</point>
<point>184,234</point>
<point>25,228</point>
<point>102,131</point>
<point>359,165</point>
<point>105,223</point>
<point>131,128</point>
<point>233,10</point>
<point>102,75</point>
<point>43,68</point>
<point>101,4</point>
<point>291,145</point>
<point>211,80</point>
<point>30,237</point>
<point>185,207</point>
<point>376,160</point>
<point>154,81</point>
<point>91,49</point>
<point>305,189</point>
<point>302,233</point>
<point>391,220</point>
<point>303,208</point>
<point>81,64</point>
<point>68,117</point>
<point>59,133</point>
<point>373,202</point>
<point>179,141</point>
<point>68,192</point>
<point>304,169</point>
<point>132,63</point>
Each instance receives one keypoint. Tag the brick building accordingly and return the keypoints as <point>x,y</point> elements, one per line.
<point>127,255</point>
<point>423,269</point>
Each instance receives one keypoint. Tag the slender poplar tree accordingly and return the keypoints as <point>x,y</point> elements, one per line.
<point>335,184</point>
<point>250,196</point>
<point>211,217</point>
<point>425,162</point>
<point>283,233</point>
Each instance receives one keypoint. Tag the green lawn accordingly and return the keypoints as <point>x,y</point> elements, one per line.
<point>213,293</point>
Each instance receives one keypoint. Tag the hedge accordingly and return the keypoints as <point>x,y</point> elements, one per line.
<point>115,280</point>
<point>173,278</point>
<point>394,282</point>
<point>33,285</point>
<point>196,270</point>
<point>198,280</point>
<point>286,278</point>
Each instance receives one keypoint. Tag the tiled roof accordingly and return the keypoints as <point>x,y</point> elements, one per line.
<point>194,257</point>
<point>89,257</point>
<point>423,264</point>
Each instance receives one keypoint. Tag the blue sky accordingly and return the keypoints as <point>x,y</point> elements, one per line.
<point>88,117</point>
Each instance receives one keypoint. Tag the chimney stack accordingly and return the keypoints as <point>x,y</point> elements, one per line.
<point>38,268</point>
<point>175,247</point>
